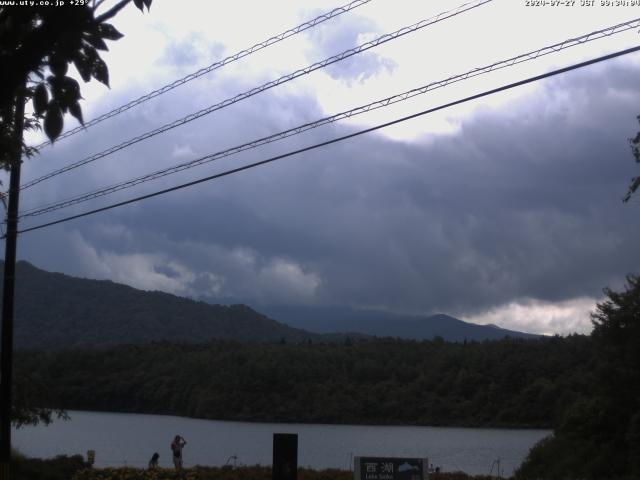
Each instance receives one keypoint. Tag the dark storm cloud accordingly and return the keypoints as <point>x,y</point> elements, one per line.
<point>522,202</point>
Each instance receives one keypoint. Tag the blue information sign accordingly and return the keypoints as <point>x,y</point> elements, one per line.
<point>390,468</point>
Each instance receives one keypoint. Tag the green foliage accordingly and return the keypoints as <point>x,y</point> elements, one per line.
<point>635,181</point>
<point>58,468</point>
<point>598,437</point>
<point>459,476</point>
<point>37,43</point>
<point>27,388</point>
<point>75,468</point>
<point>513,382</point>
<point>205,473</point>
<point>22,414</point>
<point>242,473</point>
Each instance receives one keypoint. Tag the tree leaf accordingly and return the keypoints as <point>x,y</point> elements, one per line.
<point>56,85</point>
<point>139,4</point>
<point>83,66</point>
<point>100,71</point>
<point>91,53</point>
<point>635,184</point>
<point>96,41</point>
<point>147,3</point>
<point>109,32</point>
<point>53,121</point>
<point>40,99</point>
<point>71,90</point>
<point>76,111</point>
<point>58,66</point>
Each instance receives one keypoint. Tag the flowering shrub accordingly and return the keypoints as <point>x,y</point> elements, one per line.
<point>59,468</point>
<point>228,473</point>
<point>204,473</point>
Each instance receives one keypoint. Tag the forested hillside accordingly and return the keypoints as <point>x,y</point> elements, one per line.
<point>511,382</point>
<point>57,311</point>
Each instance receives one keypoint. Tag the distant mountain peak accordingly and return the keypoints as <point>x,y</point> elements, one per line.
<point>385,324</point>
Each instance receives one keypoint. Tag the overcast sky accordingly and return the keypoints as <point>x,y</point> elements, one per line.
<point>504,210</point>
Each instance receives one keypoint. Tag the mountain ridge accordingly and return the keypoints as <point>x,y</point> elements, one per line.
<point>382,324</point>
<point>54,310</point>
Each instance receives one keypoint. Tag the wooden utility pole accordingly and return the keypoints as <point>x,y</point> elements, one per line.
<point>6,341</point>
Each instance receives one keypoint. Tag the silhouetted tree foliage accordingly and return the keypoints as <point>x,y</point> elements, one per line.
<point>61,467</point>
<point>598,437</point>
<point>27,389</point>
<point>635,181</point>
<point>513,382</point>
<point>37,44</point>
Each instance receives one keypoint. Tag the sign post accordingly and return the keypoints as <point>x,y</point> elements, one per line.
<point>285,456</point>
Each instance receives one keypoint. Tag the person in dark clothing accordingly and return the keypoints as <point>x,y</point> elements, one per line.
<point>176,448</point>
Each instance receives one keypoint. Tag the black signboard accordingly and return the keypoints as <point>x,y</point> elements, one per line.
<point>285,456</point>
<point>390,468</point>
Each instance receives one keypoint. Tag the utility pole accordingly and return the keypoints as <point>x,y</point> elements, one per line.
<point>6,341</point>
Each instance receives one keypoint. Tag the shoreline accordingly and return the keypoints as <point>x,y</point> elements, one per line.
<point>320,423</point>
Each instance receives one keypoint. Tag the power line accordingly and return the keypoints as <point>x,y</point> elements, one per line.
<point>337,139</point>
<point>286,78</point>
<point>214,66</point>
<point>606,32</point>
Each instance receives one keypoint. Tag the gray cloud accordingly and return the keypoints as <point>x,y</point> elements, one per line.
<point>341,34</point>
<point>521,203</point>
<point>194,50</point>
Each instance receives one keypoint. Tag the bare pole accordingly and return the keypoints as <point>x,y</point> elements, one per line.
<point>6,340</point>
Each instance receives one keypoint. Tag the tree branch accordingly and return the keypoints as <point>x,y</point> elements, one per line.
<point>97,4</point>
<point>114,10</point>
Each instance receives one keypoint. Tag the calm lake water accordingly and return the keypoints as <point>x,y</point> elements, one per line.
<point>130,439</point>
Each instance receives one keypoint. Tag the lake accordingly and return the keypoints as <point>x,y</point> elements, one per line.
<point>130,439</point>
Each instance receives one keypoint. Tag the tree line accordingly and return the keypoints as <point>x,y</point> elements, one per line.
<point>511,383</point>
<point>598,435</point>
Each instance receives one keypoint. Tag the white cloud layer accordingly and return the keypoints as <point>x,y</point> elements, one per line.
<point>536,316</point>
<point>221,273</point>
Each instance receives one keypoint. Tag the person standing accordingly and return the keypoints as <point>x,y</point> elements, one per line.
<point>176,448</point>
